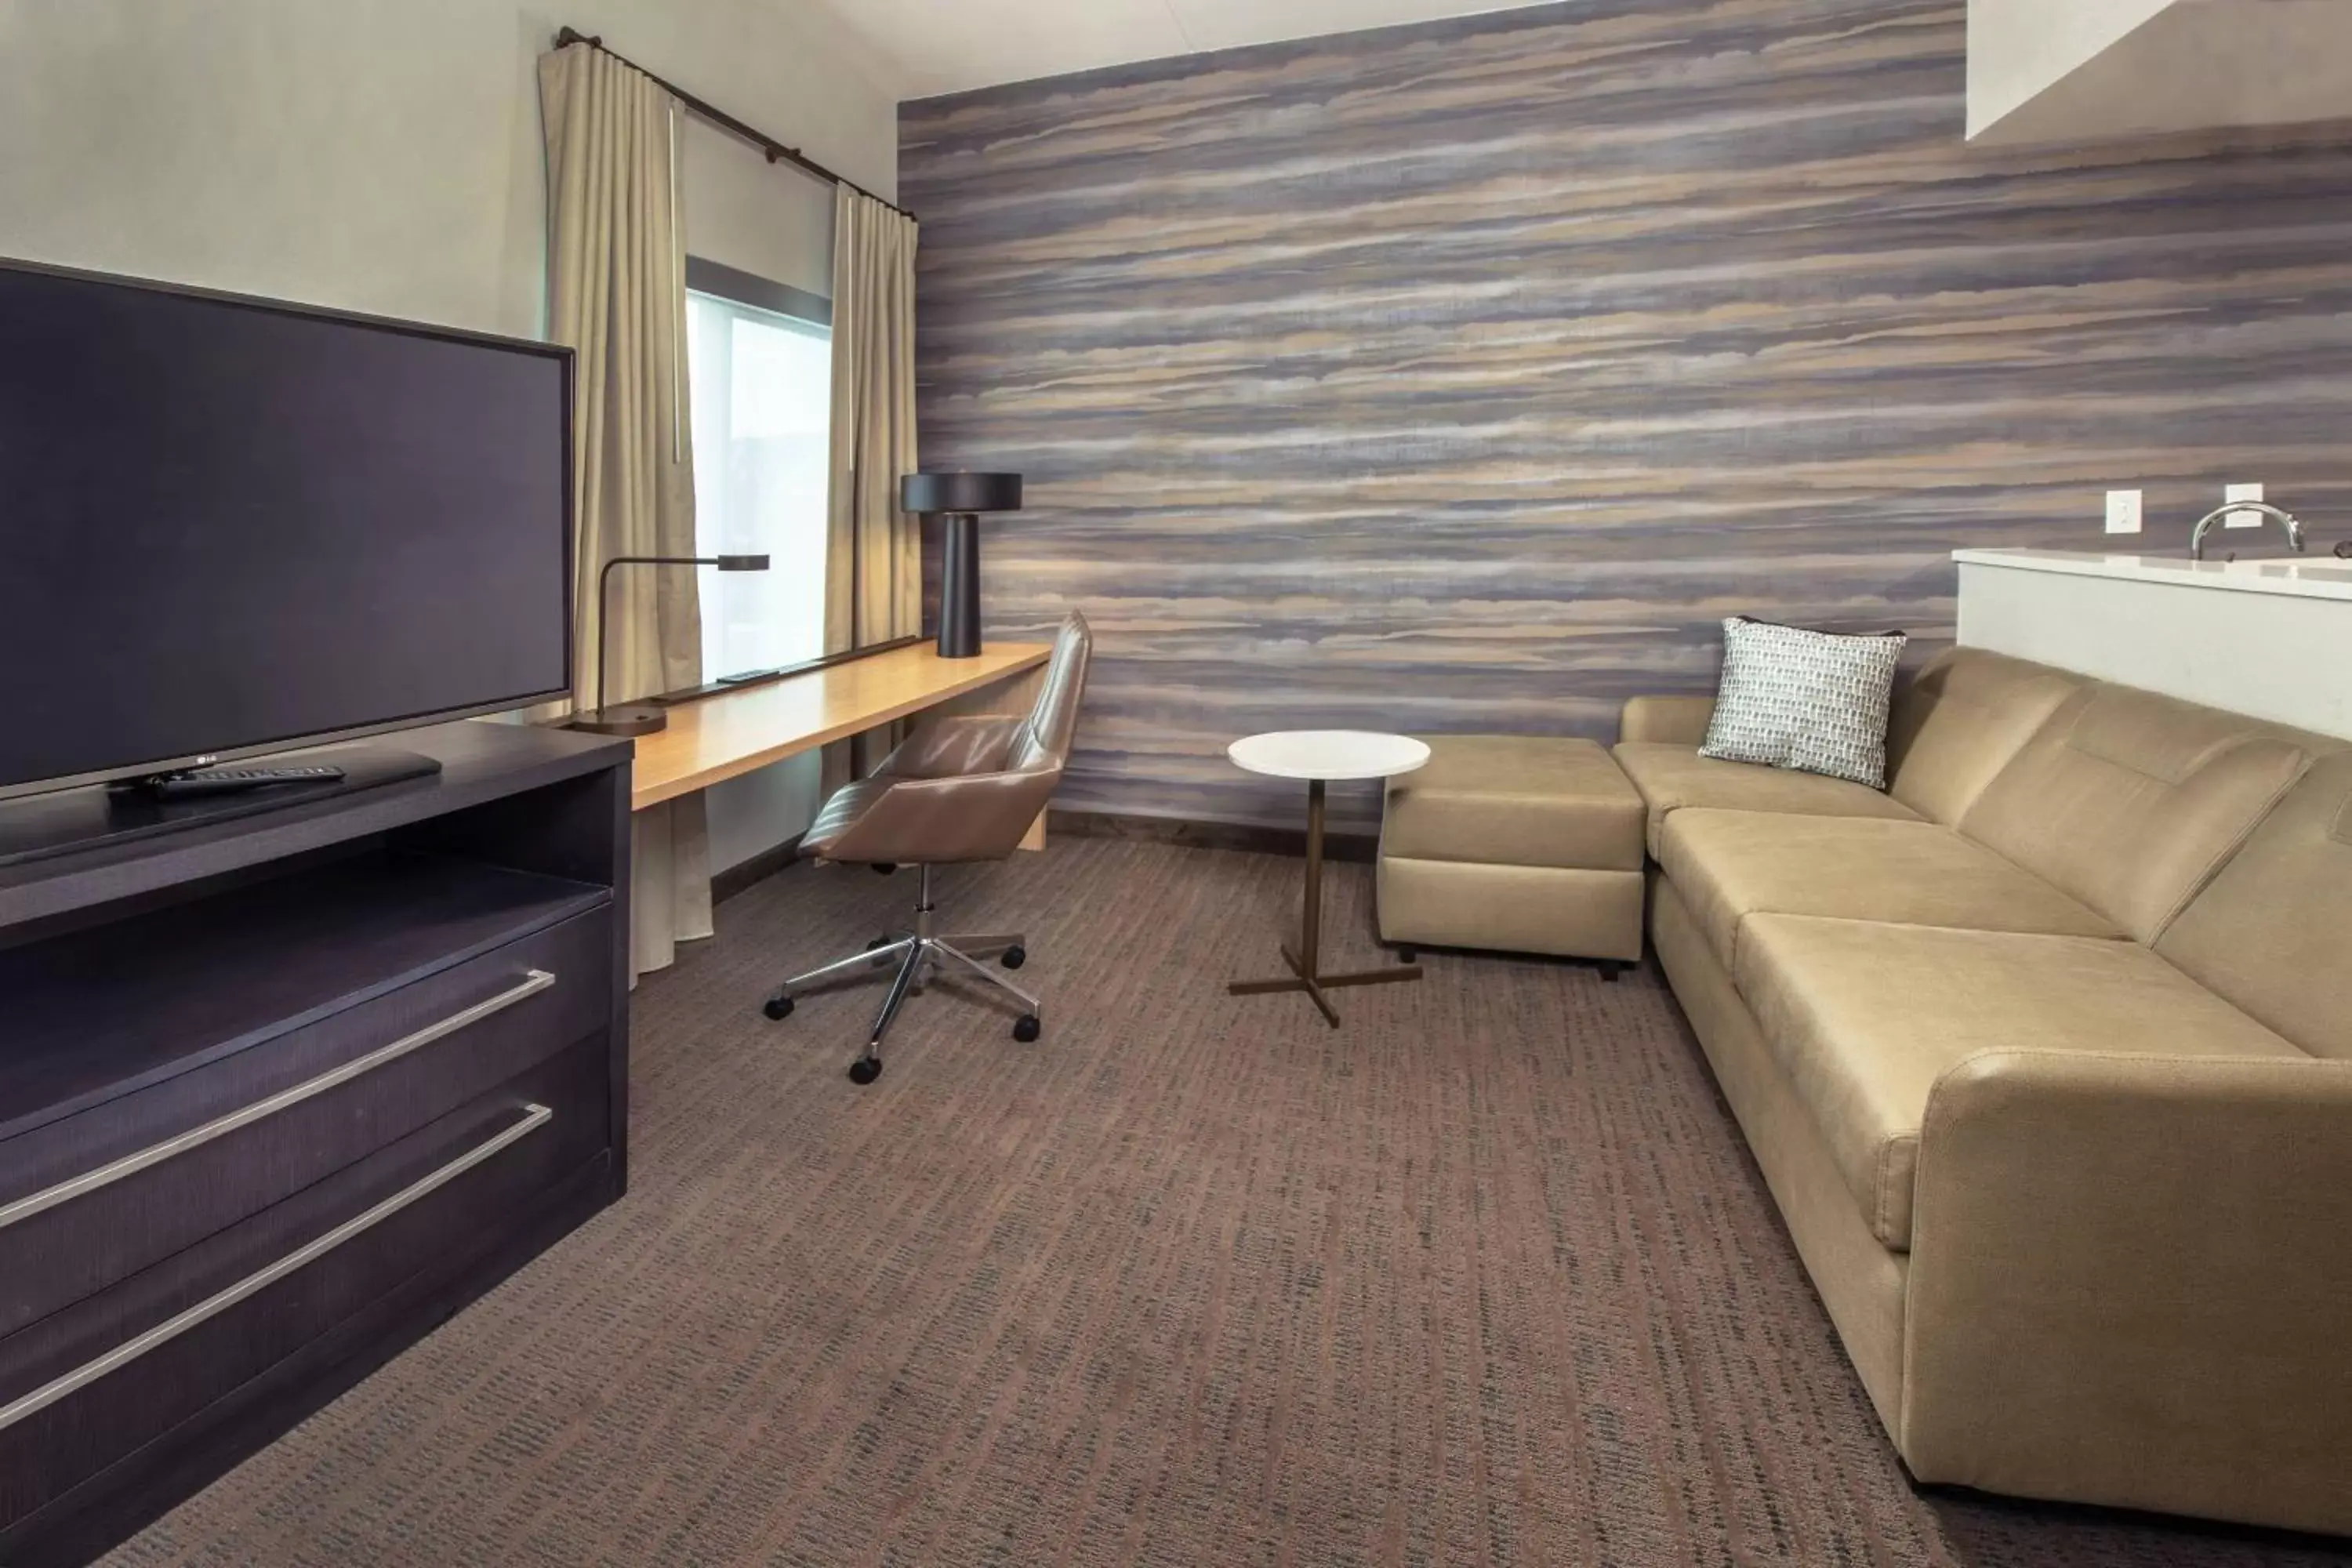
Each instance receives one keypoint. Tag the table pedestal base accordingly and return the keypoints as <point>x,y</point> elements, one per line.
<point>1316,985</point>
<point>1304,975</point>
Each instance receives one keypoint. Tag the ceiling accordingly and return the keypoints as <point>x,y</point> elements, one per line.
<point>2158,65</point>
<point>934,46</point>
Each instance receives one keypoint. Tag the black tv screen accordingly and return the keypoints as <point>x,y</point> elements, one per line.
<point>228,526</point>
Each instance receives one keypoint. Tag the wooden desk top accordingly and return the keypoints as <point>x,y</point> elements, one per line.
<point>720,737</point>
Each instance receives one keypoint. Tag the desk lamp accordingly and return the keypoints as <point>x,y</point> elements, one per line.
<point>641,718</point>
<point>958,498</point>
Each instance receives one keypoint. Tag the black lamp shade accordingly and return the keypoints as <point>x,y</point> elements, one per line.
<point>959,493</point>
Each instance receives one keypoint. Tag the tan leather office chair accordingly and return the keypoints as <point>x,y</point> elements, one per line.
<point>964,788</point>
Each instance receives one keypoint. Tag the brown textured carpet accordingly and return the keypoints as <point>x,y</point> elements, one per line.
<point>1484,1277</point>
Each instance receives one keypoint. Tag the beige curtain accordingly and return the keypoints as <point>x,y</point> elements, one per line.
<point>874,568</point>
<point>616,295</point>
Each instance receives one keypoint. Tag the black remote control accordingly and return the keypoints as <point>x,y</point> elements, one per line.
<point>222,781</point>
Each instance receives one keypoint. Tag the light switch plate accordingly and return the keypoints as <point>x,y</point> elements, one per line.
<point>2243,518</point>
<point>2123,512</point>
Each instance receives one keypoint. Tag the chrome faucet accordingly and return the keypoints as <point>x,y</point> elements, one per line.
<point>2204,524</point>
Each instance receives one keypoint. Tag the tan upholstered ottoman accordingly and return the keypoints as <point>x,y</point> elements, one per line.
<point>1515,843</point>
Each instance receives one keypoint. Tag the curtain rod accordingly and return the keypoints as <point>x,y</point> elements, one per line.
<point>776,151</point>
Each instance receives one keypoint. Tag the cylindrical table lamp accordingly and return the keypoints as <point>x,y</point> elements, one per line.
<point>640,718</point>
<point>958,498</point>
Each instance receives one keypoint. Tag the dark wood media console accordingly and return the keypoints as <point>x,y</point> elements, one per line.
<point>280,1094</point>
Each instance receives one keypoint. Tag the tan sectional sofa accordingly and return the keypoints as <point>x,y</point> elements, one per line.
<point>2046,1055</point>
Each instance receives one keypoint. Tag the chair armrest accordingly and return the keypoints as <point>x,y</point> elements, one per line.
<point>1675,720</point>
<point>2131,1283</point>
<point>976,817</point>
<point>959,745</point>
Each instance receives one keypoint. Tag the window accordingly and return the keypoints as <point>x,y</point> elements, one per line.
<point>761,389</point>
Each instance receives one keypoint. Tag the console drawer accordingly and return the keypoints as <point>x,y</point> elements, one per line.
<point>93,1198</point>
<point>100,1379</point>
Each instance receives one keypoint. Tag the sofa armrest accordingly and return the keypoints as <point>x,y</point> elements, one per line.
<point>1675,720</point>
<point>2131,1283</point>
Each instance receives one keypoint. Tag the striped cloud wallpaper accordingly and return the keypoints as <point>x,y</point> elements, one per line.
<point>1463,376</point>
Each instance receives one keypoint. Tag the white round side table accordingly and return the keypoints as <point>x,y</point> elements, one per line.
<point>1319,756</point>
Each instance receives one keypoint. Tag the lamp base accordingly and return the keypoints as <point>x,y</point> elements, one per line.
<point>625,718</point>
<point>960,586</point>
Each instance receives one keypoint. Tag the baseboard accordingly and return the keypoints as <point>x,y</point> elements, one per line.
<point>743,874</point>
<point>1257,839</point>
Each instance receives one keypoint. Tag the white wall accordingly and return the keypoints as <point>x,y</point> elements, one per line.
<point>385,155</point>
<point>379,155</point>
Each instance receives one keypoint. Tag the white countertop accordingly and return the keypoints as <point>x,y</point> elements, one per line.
<point>2302,577</point>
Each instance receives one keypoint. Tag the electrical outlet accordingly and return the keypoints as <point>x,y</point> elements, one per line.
<point>2243,518</point>
<point>2123,512</point>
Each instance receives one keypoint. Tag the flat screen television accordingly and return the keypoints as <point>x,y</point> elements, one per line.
<point>231,526</point>
<point>236,525</point>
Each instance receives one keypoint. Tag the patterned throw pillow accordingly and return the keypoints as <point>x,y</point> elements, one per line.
<point>1815,702</point>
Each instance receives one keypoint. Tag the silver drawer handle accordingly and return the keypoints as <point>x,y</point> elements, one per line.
<point>533,981</point>
<point>171,1329</point>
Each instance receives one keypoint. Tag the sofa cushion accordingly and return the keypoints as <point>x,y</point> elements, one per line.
<point>1676,721</point>
<point>2130,801</point>
<point>1515,800</point>
<point>1729,865</point>
<point>2269,932</point>
<point>1671,777</point>
<point>1960,720</point>
<point>1865,1016</point>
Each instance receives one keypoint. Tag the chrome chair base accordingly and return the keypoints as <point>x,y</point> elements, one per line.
<point>918,955</point>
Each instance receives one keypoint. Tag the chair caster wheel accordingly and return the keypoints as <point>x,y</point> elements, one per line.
<point>1015,957</point>
<point>1408,954</point>
<point>777,1007</point>
<point>865,1069</point>
<point>879,942</point>
<point>1024,1028</point>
